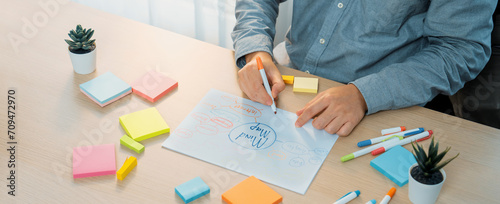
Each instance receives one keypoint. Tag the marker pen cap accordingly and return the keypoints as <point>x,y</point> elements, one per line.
<point>364,143</point>
<point>377,151</point>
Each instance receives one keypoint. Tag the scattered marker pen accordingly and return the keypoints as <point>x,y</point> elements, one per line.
<point>365,151</point>
<point>372,201</point>
<point>390,144</point>
<point>347,197</point>
<point>382,138</point>
<point>265,81</point>
<point>389,195</point>
<point>392,130</point>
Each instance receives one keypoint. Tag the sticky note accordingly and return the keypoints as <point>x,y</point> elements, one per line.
<point>153,85</point>
<point>144,124</point>
<point>111,101</point>
<point>394,164</point>
<point>105,88</point>
<point>132,144</point>
<point>287,79</point>
<point>305,84</point>
<point>129,164</point>
<point>94,161</point>
<point>192,189</point>
<point>251,190</point>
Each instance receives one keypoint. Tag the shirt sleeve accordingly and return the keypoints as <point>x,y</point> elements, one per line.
<point>458,45</point>
<point>255,27</point>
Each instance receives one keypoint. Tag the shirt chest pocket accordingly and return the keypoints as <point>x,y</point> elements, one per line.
<point>389,15</point>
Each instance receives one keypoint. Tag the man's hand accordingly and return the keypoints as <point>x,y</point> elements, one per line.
<point>250,80</point>
<point>337,110</point>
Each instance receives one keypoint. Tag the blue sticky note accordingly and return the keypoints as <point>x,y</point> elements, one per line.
<point>192,189</point>
<point>105,87</point>
<point>394,164</point>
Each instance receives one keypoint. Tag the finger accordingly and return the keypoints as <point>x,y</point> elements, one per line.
<point>259,93</point>
<point>251,83</point>
<point>334,126</point>
<point>324,118</point>
<point>309,113</point>
<point>277,84</point>
<point>299,112</point>
<point>346,129</point>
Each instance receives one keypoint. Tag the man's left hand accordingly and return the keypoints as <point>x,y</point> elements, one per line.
<point>336,110</point>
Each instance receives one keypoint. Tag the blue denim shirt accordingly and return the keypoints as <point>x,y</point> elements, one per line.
<point>398,53</point>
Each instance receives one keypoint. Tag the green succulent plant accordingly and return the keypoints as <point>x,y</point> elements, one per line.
<point>429,163</point>
<point>81,40</point>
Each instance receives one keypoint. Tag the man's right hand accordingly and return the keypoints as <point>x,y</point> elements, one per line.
<point>250,80</point>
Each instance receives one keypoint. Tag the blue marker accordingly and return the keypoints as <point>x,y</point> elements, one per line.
<point>382,138</point>
<point>348,197</point>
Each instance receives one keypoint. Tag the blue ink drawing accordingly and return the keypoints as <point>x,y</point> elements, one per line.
<point>254,136</point>
<point>247,137</point>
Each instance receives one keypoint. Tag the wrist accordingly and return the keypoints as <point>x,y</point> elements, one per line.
<point>266,57</point>
<point>359,97</point>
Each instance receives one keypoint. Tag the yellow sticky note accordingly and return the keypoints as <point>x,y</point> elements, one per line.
<point>305,84</point>
<point>129,164</point>
<point>287,79</point>
<point>144,124</point>
<point>251,190</point>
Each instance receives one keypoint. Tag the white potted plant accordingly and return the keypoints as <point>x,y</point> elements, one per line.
<point>82,50</point>
<point>426,177</point>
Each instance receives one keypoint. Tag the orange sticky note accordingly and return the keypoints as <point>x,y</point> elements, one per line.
<point>287,79</point>
<point>251,190</point>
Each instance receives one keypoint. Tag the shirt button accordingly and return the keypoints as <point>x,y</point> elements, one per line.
<point>307,71</point>
<point>322,41</point>
<point>340,5</point>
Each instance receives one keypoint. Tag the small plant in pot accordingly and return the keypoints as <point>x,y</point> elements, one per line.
<point>426,177</point>
<point>82,50</point>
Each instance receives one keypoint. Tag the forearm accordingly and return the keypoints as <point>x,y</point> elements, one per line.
<point>255,27</point>
<point>457,47</point>
<point>442,67</point>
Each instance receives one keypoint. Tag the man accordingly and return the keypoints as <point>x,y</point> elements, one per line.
<point>392,54</point>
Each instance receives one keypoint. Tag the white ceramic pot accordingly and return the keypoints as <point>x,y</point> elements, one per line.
<point>423,193</point>
<point>83,63</point>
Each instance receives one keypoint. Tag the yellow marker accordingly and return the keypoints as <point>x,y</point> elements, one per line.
<point>287,79</point>
<point>305,84</point>
<point>129,164</point>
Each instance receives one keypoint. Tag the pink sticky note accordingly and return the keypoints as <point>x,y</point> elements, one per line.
<point>153,85</point>
<point>94,161</point>
<point>111,101</point>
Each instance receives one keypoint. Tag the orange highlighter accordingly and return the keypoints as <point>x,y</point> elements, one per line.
<point>389,195</point>
<point>265,81</point>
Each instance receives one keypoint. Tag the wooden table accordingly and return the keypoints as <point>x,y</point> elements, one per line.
<point>53,116</point>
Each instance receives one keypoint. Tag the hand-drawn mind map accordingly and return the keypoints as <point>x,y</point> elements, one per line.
<point>247,137</point>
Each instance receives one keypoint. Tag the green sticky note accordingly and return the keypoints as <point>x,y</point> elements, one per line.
<point>132,144</point>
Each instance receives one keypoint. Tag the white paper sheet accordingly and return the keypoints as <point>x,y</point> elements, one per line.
<point>247,137</point>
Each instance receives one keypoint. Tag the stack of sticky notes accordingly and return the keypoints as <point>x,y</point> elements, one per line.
<point>192,189</point>
<point>129,164</point>
<point>144,124</point>
<point>394,164</point>
<point>94,161</point>
<point>105,89</point>
<point>251,190</point>
<point>153,85</point>
<point>305,84</point>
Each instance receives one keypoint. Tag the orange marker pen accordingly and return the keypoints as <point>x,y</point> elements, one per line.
<point>389,195</point>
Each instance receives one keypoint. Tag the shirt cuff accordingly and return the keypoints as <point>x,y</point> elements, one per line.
<point>249,45</point>
<point>376,93</point>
